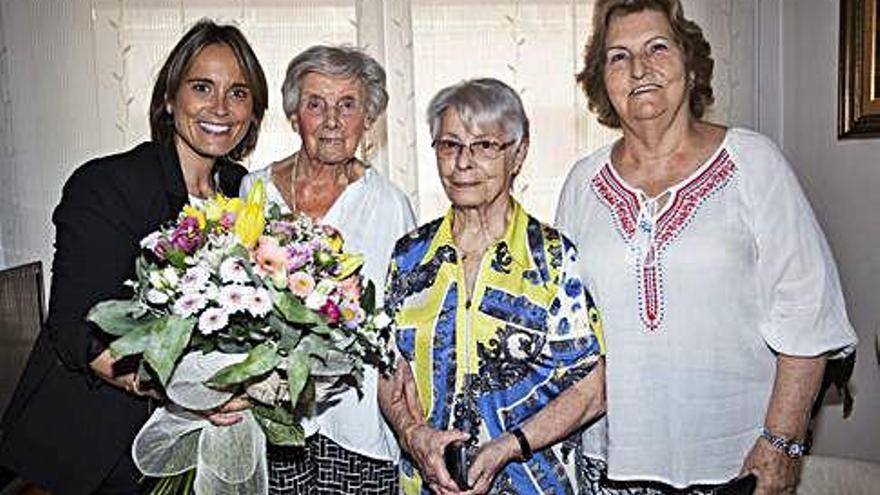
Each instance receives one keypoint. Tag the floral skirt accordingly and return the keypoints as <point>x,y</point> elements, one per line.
<point>324,467</point>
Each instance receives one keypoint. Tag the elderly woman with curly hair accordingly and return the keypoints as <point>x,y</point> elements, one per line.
<point>719,292</point>
<point>331,96</point>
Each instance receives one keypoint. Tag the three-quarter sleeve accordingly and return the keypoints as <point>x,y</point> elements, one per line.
<point>94,255</point>
<point>804,311</point>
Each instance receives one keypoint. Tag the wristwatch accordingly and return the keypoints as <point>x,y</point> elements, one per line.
<point>792,448</point>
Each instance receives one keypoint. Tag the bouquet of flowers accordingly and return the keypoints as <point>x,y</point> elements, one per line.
<point>228,301</point>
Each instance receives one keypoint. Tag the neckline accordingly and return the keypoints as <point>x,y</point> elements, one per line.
<point>642,198</point>
<point>332,211</point>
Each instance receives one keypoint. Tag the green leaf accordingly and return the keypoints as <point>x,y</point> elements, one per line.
<point>293,310</point>
<point>167,343</point>
<point>119,317</point>
<point>288,337</point>
<point>262,359</point>
<point>278,428</point>
<point>297,373</point>
<point>177,258</point>
<point>332,363</point>
<point>368,298</point>
<point>135,341</point>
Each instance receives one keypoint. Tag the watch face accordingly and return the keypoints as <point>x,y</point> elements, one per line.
<point>795,450</point>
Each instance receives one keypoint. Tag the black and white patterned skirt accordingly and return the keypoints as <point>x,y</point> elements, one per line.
<point>324,467</point>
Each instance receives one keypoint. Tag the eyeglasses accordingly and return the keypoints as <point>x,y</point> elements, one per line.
<point>345,107</point>
<point>481,149</point>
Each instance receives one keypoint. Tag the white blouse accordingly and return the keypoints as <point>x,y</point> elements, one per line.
<point>371,213</point>
<point>697,296</point>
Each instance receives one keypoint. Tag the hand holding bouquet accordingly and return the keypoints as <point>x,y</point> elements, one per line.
<point>229,301</point>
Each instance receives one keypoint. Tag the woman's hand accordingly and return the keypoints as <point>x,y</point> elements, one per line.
<point>229,413</point>
<point>103,367</point>
<point>491,459</point>
<point>777,473</point>
<point>427,445</point>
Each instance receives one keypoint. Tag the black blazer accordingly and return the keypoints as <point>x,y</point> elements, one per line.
<point>64,429</point>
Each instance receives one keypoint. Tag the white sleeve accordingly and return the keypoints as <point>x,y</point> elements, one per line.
<point>246,183</point>
<point>567,199</point>
<point>804,311</point>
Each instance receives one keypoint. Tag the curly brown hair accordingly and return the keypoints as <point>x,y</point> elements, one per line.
<point>697,56</point>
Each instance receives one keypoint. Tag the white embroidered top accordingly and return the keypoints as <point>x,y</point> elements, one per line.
<point>696,296</point>
<point>371,213</point>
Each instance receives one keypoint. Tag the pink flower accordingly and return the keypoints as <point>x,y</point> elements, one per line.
<point>270,257</point>
<point>227,221</point>
<point>301,284</point>
<point>187,237</point>
<point>350,288</point>
<point>331,311</point>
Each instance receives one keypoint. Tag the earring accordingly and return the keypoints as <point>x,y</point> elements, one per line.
<point>169,109</point>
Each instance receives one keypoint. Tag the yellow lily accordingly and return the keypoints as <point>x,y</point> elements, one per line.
<point>348,264</point>
<point>214,208</point>
<point>250,221</point>
<point>192,212</point>
<point>233,205</point>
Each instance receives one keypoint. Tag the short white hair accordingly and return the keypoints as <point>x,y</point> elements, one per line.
<point>342,60</point>
<point>481,102</point>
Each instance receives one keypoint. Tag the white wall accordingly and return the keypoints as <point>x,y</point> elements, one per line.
<point>842,179</point>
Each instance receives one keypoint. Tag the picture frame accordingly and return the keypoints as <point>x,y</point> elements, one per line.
<point>859,70</point>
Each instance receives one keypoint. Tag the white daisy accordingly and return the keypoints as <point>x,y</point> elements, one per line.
<point>150,241</point>
<point>211,291</point>
<point>319,296</point>
<point>234,298</point>
<point>260,303</point>
<point>189,304</point>
<point>157,297</point>
<point>195,279</point>
<point>213,319</point>
<point>232,271</point>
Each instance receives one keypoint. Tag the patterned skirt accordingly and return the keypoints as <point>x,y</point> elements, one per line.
<point>323,467</point>
<point>593,479</point>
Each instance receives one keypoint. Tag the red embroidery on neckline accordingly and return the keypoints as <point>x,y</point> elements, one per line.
<point>624,208</point>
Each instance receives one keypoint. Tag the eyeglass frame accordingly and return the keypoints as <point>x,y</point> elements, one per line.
<point>501,148</point>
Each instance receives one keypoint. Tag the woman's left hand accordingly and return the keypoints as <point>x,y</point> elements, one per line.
<point>777,473</point>
<point>491,458</point>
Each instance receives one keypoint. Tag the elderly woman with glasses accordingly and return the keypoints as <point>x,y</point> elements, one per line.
<point>499,338</point>
<point>332,95</point>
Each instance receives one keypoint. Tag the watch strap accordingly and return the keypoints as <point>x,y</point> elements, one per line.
<point>525,449</point>
<point>790,447</point>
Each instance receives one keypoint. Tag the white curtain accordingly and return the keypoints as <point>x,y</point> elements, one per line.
<point>76,76</point>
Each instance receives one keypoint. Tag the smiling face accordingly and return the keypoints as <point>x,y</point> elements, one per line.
<point>213,107</point>
<point>331,117</point>
<point>470,182</point>
<point>644,74</point>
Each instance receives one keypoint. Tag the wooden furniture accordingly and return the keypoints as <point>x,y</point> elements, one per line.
<point>21,314</point>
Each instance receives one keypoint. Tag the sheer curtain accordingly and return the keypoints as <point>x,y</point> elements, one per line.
<point>75,81</point>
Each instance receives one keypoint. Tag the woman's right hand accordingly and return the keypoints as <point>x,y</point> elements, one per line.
<point>426,445</point>
<point>229,413</point>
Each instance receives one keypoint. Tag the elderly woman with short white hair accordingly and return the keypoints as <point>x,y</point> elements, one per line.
<point>332,95</point>
<point>498,336</point>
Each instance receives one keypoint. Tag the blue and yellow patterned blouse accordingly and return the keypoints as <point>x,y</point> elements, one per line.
<point>485,366</point>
